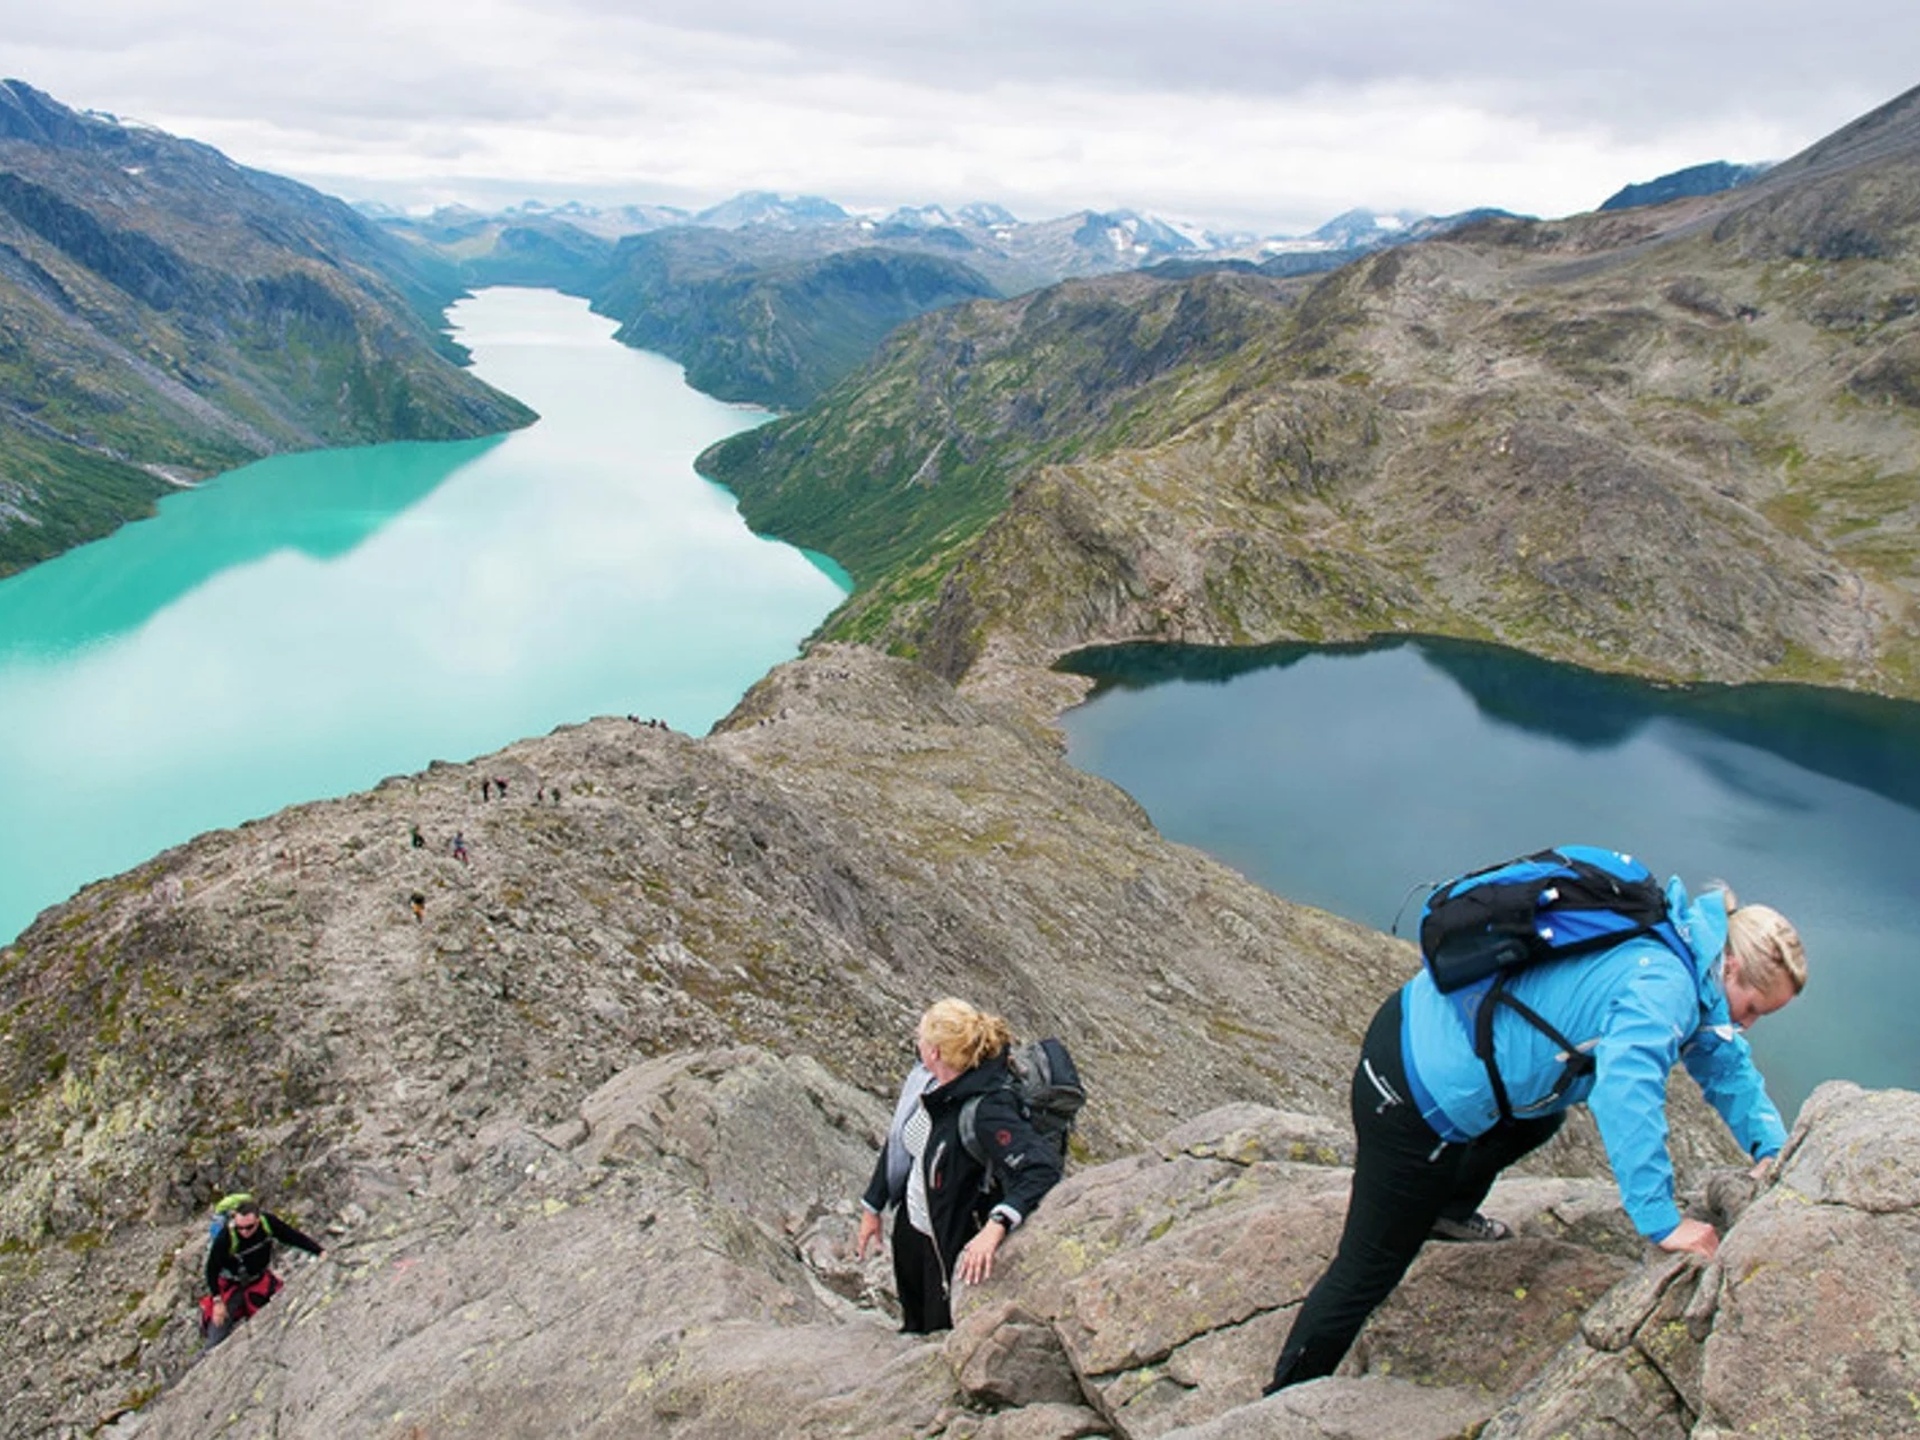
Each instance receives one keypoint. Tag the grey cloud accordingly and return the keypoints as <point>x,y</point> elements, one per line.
<point>1582,59</point>
<point>1166,104</point>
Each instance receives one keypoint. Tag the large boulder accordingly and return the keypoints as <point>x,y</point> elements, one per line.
<point>1806,1323</point>
<point>1170,1279</point>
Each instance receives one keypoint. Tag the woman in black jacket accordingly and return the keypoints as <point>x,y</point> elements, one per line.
<point>954,1209</point>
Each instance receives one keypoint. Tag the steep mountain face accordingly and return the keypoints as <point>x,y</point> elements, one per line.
<point>772,331</point>
<point>1680,441</point>
<point>166,314</point>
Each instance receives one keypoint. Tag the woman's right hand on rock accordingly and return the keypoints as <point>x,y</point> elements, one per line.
<point>869,1235</point>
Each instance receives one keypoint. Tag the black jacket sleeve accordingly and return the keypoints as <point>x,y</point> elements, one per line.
<point>1024,1162</point>
<point>878,1197</point>
<point>285,1234</point>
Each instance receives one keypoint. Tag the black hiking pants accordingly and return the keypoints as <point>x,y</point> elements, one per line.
<point>919,1279</point>
<point>1404,1178</point>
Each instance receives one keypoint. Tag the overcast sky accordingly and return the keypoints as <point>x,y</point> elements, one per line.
<point>1272,115</point>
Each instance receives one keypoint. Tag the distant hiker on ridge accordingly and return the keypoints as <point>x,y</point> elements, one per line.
<point>240,1278</point>
<point>1601,1022</point>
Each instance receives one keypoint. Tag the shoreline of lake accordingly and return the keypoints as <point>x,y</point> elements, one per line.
<point>306,625</point>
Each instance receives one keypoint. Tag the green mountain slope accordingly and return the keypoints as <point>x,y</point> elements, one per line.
<point>1683,441</point>
<point>166,314</point>
<point>541,251</point>
<point>752,322</point>
<point>909,461</point>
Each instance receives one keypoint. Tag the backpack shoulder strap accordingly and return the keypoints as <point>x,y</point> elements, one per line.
<point>1579,1063</point>
<point>233,1235</point>
<point>970,1131</point>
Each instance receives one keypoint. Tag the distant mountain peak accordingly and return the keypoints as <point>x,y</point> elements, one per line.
<point>919,217</point>
<point>985,213</point>
<point>33,115</point>
<point>1365,226</point>
<point>1708,179</point>
<point>766,207</point>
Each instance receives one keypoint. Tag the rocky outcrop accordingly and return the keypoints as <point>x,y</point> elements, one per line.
<point>1171,1279</point>
<point>672,1261</point>
<point>1807,1323</point>
<point>261,1008</point>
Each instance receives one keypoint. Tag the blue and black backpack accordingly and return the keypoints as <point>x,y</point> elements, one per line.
<point>1479,930</point>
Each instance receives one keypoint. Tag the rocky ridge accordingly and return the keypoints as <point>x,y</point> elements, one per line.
<point>260,1007</point>
<point>672,1261</point>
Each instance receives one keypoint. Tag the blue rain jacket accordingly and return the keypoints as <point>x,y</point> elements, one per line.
<point>1637,1008</point>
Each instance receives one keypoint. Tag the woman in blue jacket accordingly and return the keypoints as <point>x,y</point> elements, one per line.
<point>1431,1138</point>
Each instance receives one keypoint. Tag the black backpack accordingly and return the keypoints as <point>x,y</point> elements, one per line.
<point>1046,1084</point>
<point>1482,928</point>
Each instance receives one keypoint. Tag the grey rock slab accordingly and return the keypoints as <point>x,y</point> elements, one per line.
<point>1349,1409</point>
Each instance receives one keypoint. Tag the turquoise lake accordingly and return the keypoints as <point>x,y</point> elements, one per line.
<point>312,623</point>
<point>1347,778</point>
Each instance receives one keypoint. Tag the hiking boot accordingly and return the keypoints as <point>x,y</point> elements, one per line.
<point>1476,1227</point>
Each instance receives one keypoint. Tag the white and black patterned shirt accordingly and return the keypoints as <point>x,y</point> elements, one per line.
<point>919,1127</point>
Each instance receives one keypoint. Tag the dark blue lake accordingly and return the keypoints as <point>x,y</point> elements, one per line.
<point>1345,778</point>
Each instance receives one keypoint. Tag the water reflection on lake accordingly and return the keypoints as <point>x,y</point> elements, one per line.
<point>1344,777</point>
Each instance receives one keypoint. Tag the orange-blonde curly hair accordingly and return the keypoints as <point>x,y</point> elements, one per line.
<point>961,1035</point>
